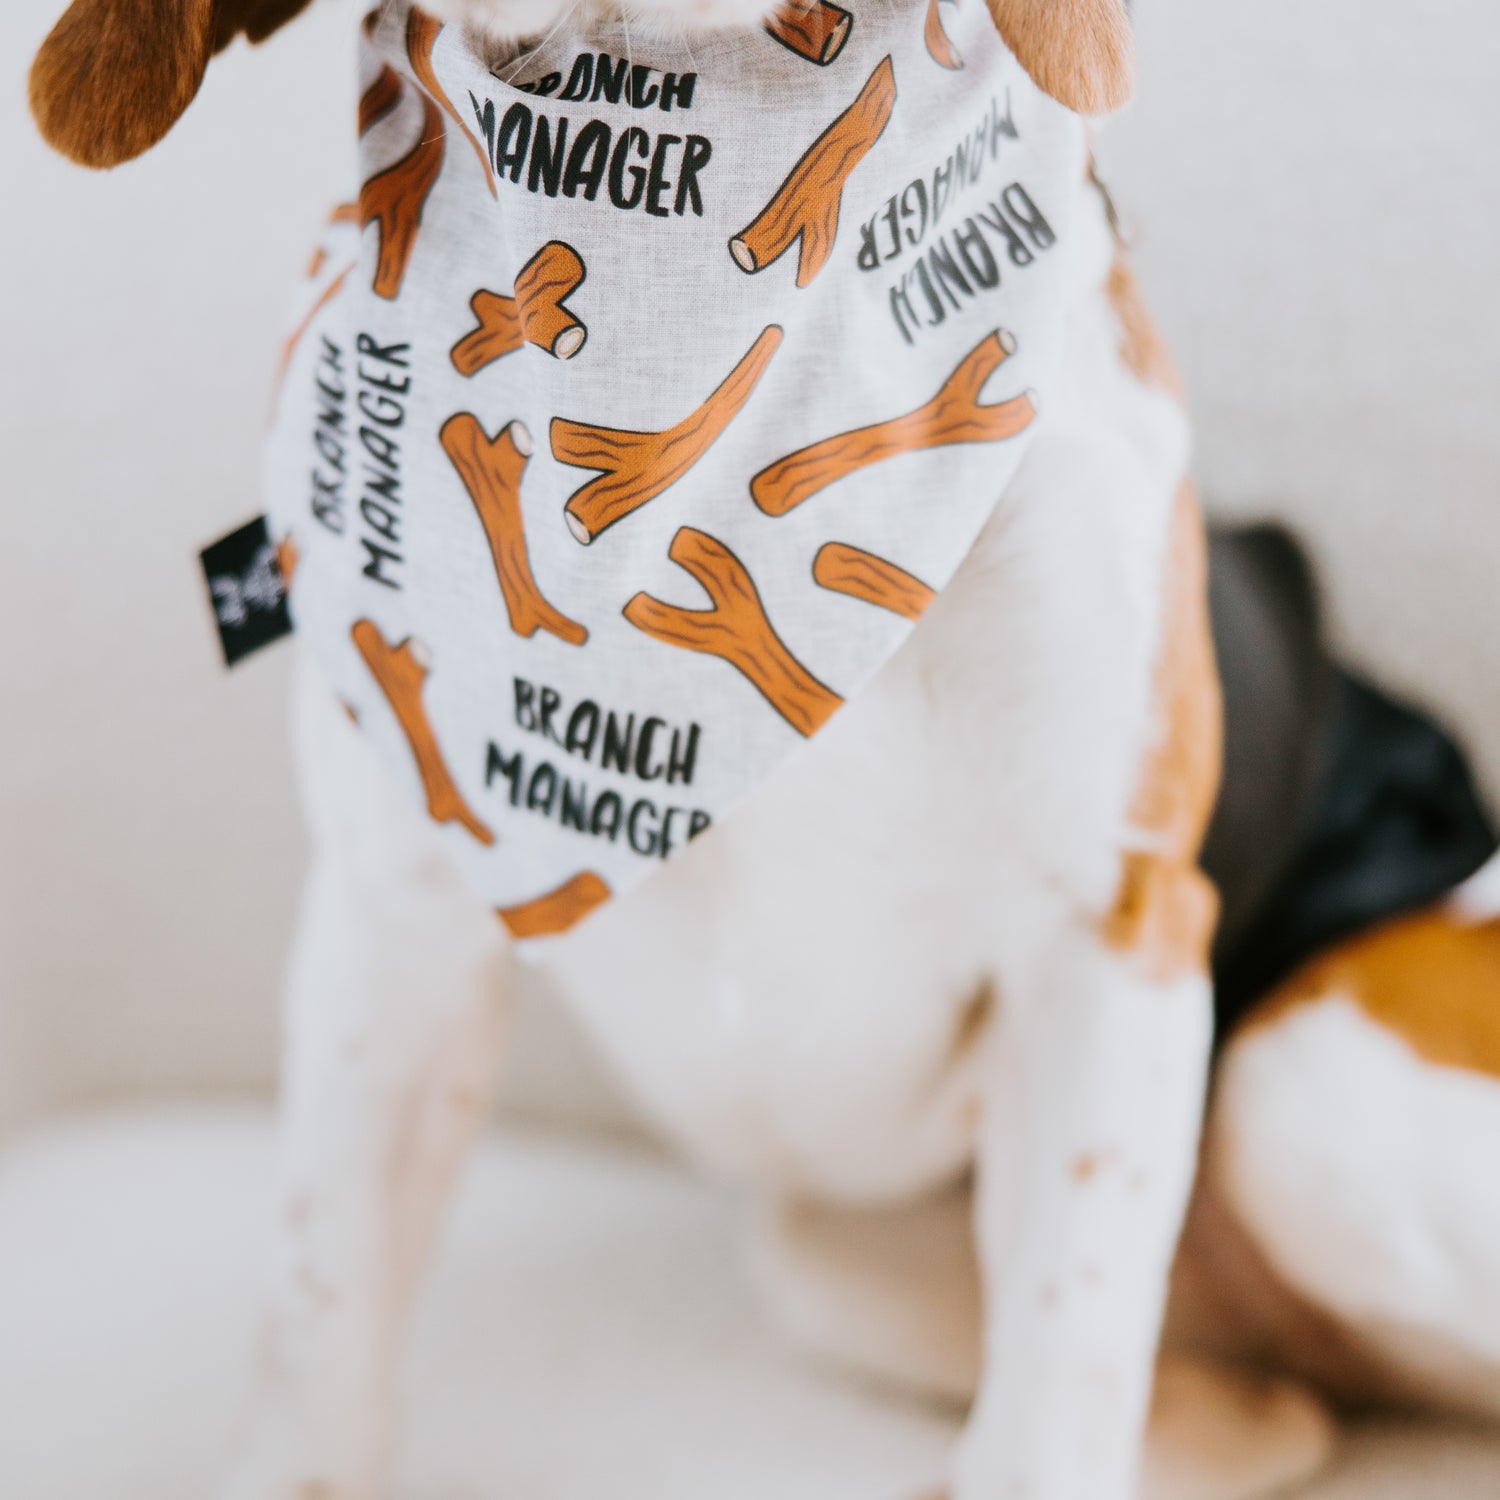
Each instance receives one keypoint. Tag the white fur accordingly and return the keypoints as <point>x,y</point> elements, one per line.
<point>885,970</point>
<point>793,998</point>
<point>1478,898</point>
<point>1365,1175</point>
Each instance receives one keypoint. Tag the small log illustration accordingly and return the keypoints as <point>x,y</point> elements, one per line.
<point>637,466</point>
<point>402,672</point>
<point>535,315</point>
<point>422,32</point>
<point>863,575</point>
<point>941,50</point>
<point>735,629</point>
<point>805,207</point>
<point>954,415</point>
<point>396,197</point>
<point>491,472</point>
<point>817,31</point>
<point>557,911</point>
<point>379,99</point>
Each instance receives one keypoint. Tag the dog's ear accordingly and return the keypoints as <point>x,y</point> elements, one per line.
<point>115,75</point>
<point>1082,52</point>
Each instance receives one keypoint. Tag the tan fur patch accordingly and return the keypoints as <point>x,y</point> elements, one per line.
<point>1081,52</point>
<point>1166,909</point>
<point>1142,348</point>
<point>1432,980</point>
<point>115,75</point>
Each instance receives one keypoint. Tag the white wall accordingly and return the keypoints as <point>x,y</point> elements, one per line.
<point>1316,200</point>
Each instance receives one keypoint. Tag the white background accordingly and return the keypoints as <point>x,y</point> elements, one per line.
<point>1316,200</point>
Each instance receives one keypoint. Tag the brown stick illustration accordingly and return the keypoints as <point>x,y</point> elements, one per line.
<point>346,213</point>
<point>288,555</point>
<point>815,31</point>
<point>294,339</point>
<point>863,575</point>
<point>422,32</point>
<point>402,672</point>
<point>637,466</point>
<point>379,99</point>
<point>396,197</point>
<point>535,315</point>
<point>558,910</point>
<point>954,415</point>
<point>806,206</point>
<point>735,629</point>
<point>491,472</point>
<point>941,50</point>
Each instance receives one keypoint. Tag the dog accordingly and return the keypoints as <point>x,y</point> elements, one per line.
<point>961,936</point>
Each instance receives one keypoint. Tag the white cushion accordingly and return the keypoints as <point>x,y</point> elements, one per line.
<point>587,1332</point>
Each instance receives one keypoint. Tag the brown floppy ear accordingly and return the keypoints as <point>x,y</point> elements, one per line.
<point>1082,52</point>
<point>115,75</point>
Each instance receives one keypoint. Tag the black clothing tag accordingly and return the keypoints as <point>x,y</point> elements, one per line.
<point>248,593</point>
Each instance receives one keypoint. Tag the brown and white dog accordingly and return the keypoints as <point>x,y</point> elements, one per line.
<point>1009,990</point>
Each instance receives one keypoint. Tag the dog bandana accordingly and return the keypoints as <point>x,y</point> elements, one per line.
<point>646,398</point>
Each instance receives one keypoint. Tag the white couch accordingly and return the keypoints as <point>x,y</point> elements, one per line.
<point>1314,197</point>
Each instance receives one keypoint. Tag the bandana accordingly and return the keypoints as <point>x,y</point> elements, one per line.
<point>647,397</point>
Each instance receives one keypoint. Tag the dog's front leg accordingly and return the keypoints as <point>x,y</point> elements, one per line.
<point>394,1022</point>
<point>1086,1155</point>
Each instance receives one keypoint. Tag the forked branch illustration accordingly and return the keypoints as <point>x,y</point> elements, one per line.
<point>422,32</point>
<point>954,415</point>
<point>402,673</point>
<point>491,472</point>
<point>379,99</point>
<point>805,207</point>
<point>637,466</point>
<point>736,629</point>
<point>395,198</point>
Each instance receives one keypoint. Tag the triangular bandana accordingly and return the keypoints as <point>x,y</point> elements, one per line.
<point>647,397</point>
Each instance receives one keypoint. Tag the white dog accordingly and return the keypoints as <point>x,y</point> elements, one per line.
<point>962,931</point>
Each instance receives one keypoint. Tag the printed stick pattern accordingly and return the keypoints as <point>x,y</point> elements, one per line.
<point>805,207</point>
<point>637,466</point>
<point>491,472</point>
<point>402,674</point>
<point>294,339</point>
<point>422,32</point>
<point>736,629</point>
<point>817,31</point>
<point>535,315</point>
<point>287,557</point>
<point>954,415</point>
<point>941,50</point>
<point>379,99</point>
<point>558,910</point>
<point>863,575</point>
<point>394,199</point>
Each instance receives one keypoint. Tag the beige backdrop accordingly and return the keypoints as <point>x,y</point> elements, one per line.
<point>1317,209</point>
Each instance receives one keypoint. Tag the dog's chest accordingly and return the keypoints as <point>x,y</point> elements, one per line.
<point>646,401</point>
<point>802,996</point>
